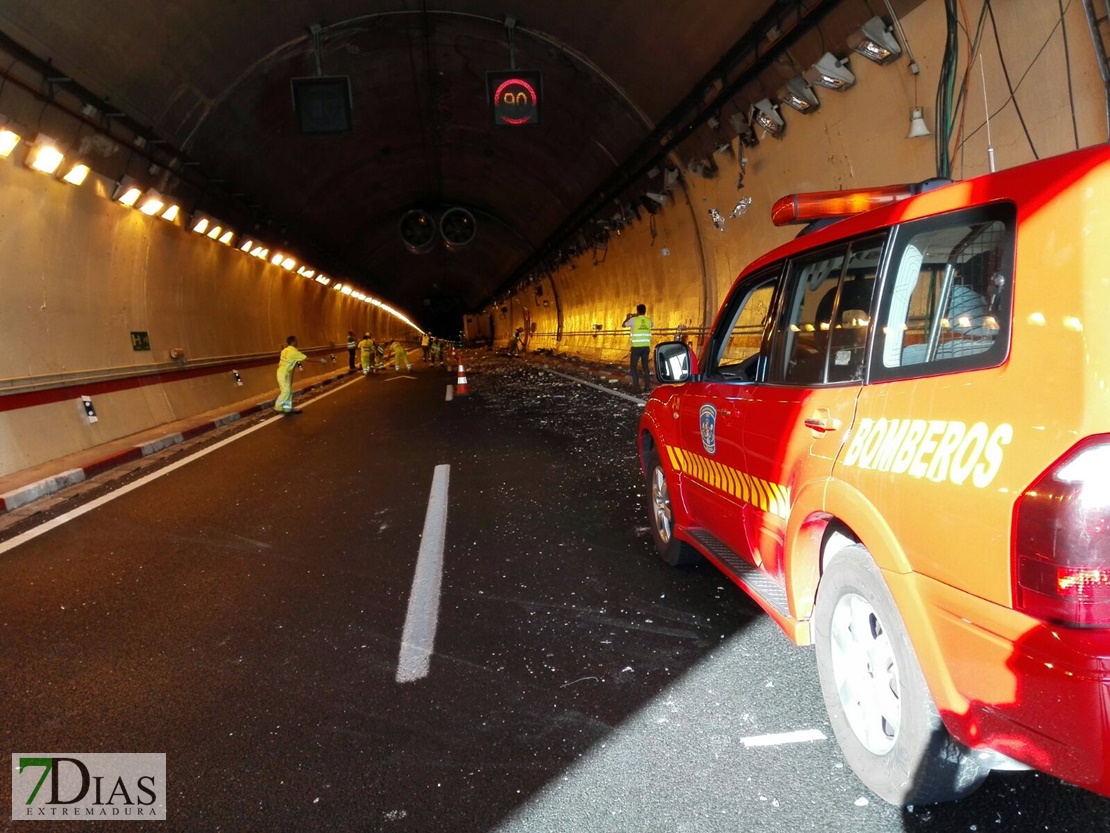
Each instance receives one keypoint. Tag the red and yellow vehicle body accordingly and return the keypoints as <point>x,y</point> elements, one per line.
<point>978,478</point>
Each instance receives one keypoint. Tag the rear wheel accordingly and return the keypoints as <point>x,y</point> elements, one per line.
<point>878,703</point>
<point>673,551</point>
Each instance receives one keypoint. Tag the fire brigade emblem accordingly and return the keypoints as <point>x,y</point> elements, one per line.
<point>707,420</point>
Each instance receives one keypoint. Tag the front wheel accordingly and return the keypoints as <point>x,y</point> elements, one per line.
<point>673,551</point>
<point>878,703</point>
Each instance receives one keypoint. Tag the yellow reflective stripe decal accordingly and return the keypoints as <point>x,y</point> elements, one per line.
<point>769,497</point>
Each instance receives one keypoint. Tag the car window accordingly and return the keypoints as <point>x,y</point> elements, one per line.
<point>822,335</point>
<point>949,295</point>
<point>741,330</point>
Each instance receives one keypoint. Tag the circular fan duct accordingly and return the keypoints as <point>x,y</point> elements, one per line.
<point>458,227</point>
<point>418,231</point>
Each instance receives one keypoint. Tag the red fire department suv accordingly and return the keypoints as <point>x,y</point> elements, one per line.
<point>896,439</point>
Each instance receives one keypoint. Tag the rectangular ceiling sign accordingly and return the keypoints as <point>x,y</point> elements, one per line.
<point>514,96</point>
<point>322,104</point>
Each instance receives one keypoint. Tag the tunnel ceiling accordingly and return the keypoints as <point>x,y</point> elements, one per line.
<point>212,78</point>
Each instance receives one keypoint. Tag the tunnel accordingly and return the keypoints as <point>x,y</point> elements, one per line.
<point>184,186</point>
<point>285,164</point>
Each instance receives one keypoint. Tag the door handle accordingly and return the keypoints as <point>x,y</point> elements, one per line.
<point>821,422</point>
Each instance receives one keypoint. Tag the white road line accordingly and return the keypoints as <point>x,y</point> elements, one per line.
<point>54,523</point>
<point>801,736</point>
<point>450,392</point>
<point>419,634</point>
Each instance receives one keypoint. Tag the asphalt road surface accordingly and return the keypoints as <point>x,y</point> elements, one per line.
<point>402,612</point>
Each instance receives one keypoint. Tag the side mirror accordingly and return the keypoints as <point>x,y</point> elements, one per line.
<point>674,362</point>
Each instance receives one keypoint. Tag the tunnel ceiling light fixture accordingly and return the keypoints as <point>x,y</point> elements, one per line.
<point>246,246</point>
<point>767,116</point>
<point>798,94</point>
<point>200,222</point>
<point>127,192</point>
<point>830,72</point>
<point>76,174</point>
<point>227,237</point>
<point>323,279</point>
<point>277,258</point>
<point>214,231</point>
<point>347,290</point>
<point>151,203</point>
<point>9,137</point>
<point>171,213</point>
<point>875,41</point>
<point>44,154</point>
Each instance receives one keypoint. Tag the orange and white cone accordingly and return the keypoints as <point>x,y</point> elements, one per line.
<point>461,388</point>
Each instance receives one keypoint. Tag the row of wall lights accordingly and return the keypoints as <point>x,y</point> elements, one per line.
<point>45,156</point>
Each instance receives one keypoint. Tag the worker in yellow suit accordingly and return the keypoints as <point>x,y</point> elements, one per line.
<point>366,351</point>
<point>287,363</point>
<point>400,356</point>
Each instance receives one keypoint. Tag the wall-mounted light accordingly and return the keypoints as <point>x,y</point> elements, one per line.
<point>150,203</point>
<point>214,231</point>
<point>75,174</point>
<point>347,290</point>
<point>743,129</point>
<point>798,94</point>
<point>127,192</point>
<point>9,138</point>
<point>917,124</point>
<point>171,212</point>
<point>288,263</point>
<point>323,279</point>
<point>277,258</point>
<point>227,237</point>
<point>875,41</point>
<point>44,154</point>
<point>246,246</point>
<point>767,116</point>
<point>830,72</point>
<point>200,222</point>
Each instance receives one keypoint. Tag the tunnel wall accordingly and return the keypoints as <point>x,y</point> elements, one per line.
<point>857,138</point>
<point>79,273</point>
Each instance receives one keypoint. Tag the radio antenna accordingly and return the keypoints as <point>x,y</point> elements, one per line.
<point>987,111</point>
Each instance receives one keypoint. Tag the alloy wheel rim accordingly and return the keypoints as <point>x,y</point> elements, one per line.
<point>661,505</point>
<point>866,673</point>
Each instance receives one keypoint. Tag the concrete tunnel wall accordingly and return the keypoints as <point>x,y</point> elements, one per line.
<point>857,138</point>
<point>79,273</point>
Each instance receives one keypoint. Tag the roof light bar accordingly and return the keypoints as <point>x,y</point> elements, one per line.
<point>821,205</point>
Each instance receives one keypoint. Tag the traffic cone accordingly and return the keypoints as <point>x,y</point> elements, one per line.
<point>461,388</point>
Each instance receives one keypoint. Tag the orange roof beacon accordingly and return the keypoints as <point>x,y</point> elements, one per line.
<point>897,440</point>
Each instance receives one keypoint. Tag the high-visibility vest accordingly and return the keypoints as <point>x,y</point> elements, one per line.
<point>641,331</point>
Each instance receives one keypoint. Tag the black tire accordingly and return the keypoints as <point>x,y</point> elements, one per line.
<point>673,551</point>
<point>878,703</point>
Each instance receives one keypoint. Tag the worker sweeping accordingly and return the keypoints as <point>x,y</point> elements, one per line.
<point>400,356</point>
<point>287,363</point>
<point>366,353</point>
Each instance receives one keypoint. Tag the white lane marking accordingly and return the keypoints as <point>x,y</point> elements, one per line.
<point>619,393</point>
<point>450,392</point>
<point>801,736</point>
<point>419,634</point>
<point>54,523</point>
<point>402,376</point>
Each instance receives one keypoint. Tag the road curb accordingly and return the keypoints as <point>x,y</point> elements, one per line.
<point>31,492</point>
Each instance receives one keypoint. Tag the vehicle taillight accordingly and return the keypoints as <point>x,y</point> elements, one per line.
<point>1061,543</point>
